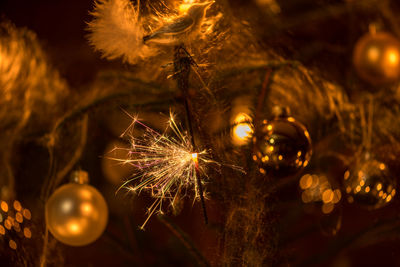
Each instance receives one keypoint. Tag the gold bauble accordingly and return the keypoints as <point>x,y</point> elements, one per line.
<point>370,183</point>
<point>376,58</point>
<point>76,214</point>
<point>282,147</point>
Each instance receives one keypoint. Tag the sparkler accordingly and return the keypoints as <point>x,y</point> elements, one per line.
<point>167,166</point>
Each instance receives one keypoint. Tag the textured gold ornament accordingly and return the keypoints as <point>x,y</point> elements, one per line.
<point>370,184</point>
<point>282,147</point>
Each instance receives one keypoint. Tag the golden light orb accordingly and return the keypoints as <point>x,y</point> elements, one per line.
<point>376,58</point>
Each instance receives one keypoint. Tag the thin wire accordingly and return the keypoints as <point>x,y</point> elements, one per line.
<point>261,98</point>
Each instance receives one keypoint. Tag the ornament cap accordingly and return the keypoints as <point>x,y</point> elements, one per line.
<point>280,112</point>
<point>79,177</point>
<point>375,27</point>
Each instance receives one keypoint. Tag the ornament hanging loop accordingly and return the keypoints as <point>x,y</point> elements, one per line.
<point>280,112</point>
<point>79,177</point>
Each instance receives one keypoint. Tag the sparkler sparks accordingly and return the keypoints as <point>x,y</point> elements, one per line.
<point>166,165</point>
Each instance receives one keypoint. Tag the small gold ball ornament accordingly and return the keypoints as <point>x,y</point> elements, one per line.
<point>370,183</point>
<point>282,146</point>
<point>76,213</point>
<point>376,58</point>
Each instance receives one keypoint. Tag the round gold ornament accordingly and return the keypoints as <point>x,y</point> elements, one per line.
<point>282,146</point>
<point>76,213</point>
<point>370,183</point>
<point>376,58</point>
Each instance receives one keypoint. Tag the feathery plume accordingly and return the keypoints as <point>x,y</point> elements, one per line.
<point>117,31</point>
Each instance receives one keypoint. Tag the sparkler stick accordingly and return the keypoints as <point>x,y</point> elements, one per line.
<point>182,65</point>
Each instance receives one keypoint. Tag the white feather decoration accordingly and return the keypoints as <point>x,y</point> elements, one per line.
<point>117,31</point>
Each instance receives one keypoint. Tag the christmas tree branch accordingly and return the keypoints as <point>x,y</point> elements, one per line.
<point>271,64</point>
<point>185,240</point>
<point>76,113</point>
<point>345,242</point>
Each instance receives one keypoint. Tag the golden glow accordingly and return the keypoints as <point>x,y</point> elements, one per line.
<point>86,208</point>
<point>27,232</point>
<point>27,214</point>
<point>265,158</point>
<point>327,208</point>
<point>392,57</point>
<point>393,192</point>
<point>305,181</point>
<point>74,228</point>
<point>243,129</point>
<point>373,54</point>
<point>262,171</point>
<point>186,4</point>
<point>194,157</point>
<point>299,163</point>
<point>346,175</point>
<point>337,196</point>
<point>327,196</point>
<point>362,183</point>
<point>379,186</point>
<point>367,189</point>
<point>280,157</point>
<point>382,166</point>
<point>315,180</point>
<point>291,119</point>
<point>358,189</point>
<point>389,197</point>
<point>66,206</point>
<point>85,194</point>
<point>269,127</point>
<point>242,133</point>
<point>18,217</point>
<point>380,193</point>
<point>317,188</point>
<point>4,206</point>
<point>2,230</point>
<point>241,117</point>
<point>7,224</point>
<point>12,244</point>
<point>17,205</point>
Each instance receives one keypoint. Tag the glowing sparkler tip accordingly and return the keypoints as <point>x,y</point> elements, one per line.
<point>165,166</point>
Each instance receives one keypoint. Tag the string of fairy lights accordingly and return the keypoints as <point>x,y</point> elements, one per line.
<point>15,223</point>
